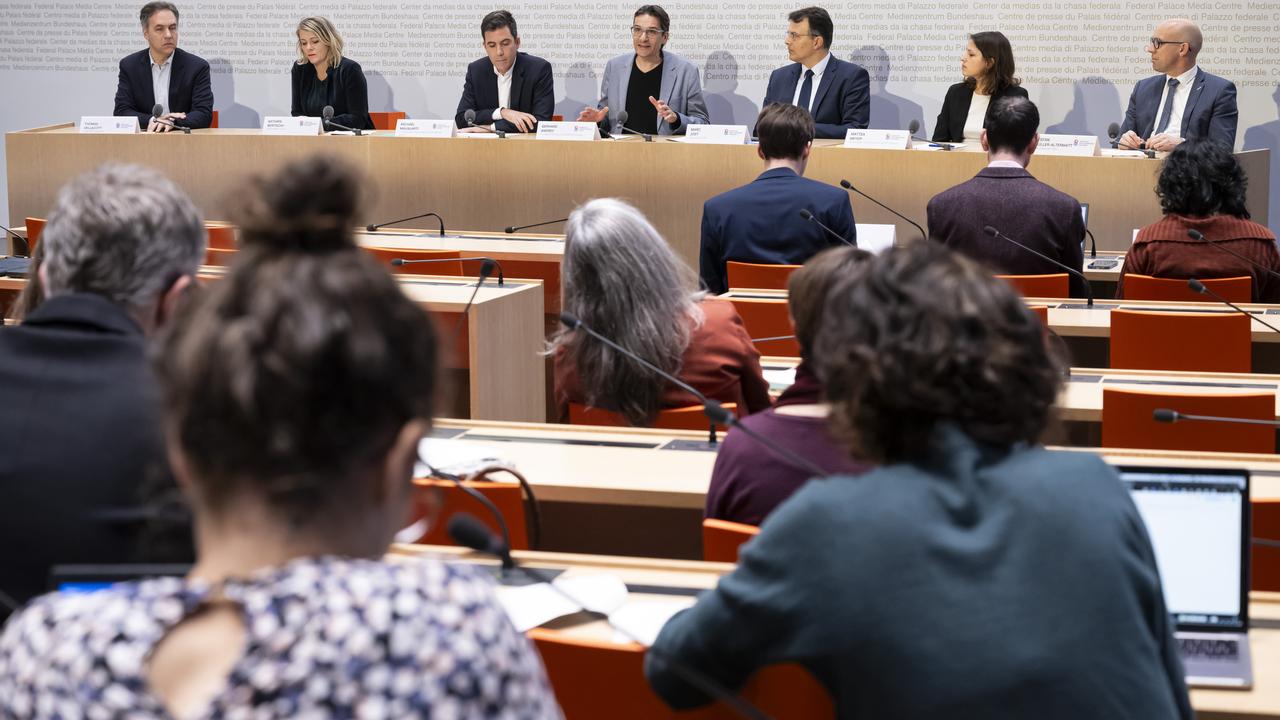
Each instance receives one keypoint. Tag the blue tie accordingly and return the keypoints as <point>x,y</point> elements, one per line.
<point>806,90</point>
<point>1168,106</point>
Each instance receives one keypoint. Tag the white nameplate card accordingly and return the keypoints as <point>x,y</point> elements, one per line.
<point>425,128</point>
<point>882,139</point>
<point>717,134</point>
<point>1078,145</point>
<point>108,124</point>
<point>568,131</point>
<point>285,125</point>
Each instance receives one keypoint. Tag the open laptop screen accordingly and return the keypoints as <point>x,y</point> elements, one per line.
<point>1198,521</point>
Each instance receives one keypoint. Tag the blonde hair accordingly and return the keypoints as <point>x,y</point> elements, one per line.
<point>323,29</point>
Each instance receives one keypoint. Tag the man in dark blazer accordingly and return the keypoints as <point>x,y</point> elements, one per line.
<point>1005,196</point>
<point>760,222</point>
<point>509,89</point>
<point>836,93</point>
<point>1183,102</point>
<point>83,449</point>
<point>164,74</point>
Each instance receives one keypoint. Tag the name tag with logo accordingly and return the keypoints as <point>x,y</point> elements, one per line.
<point>98,124</point>
<point>717,134</point>
<point>882,139</point>
<point>425,128</point>
<point>1078,145</point>
<point>568,131</point>
<point>285,125</point>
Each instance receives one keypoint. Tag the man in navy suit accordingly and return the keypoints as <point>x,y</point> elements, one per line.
<point>177,80</point>
<point>508,89</point>
<point>760,222</point>
<point>1183,102</point>
<point>836,93</point>
<point>1005,196</point>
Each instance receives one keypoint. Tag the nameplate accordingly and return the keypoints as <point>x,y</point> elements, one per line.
<point>285,125</point>
<point>425,128</point>
<point>568,131</point>
<point>718,134</point>
<point>99,124</point>
<point>1078,145</point>
<point>882,139</point>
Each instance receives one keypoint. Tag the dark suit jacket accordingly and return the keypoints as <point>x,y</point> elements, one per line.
<point>1210,113</point>
<point>955,110</point>
<point>1019,206</point>
<point>532,91</point>
<point>760,223</point>
<point>840,102</point>
<point>189,89</point>
<point>348,92</point>
<point>80,433</point>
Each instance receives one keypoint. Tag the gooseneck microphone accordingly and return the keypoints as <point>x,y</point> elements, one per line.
<point>1201,288</point>
<point>914,126</point>
<point>622,125</point>
<point>470,118</point>
<point>849,186</point>
<point>1088,289</point>
<point>397,262</point>
<point>1165,415</point>
<point>375,228</point>
<point>517,228</point>
<point>804,213</point>
<point>16,235</point>
<point>535,524</point>
<point>157,110</point>
<point>1093,245</point>
<point>486,269</point>
<point>1113,133</point>
<point>326,116</point>
<point>469,532</point>
<point>1199,237</point>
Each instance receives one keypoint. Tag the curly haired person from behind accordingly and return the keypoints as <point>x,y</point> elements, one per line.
<point>975,574</point>
<point>295,393</point>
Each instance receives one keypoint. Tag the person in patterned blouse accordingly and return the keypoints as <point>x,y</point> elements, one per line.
<point>295,392</point>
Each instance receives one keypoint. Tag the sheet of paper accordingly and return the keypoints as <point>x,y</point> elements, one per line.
<point>643,619</point>
<point>460,457</point>
<point>533,605</point>
<point>780,378</point>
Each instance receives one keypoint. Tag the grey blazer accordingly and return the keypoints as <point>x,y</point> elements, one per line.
<point>681,90</point>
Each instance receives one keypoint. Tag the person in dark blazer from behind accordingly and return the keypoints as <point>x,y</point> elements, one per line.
<point>509,89</point>
<point>987,66</point>
<point>838,92</point>
<point>185,95</point>
<point>322,76</point>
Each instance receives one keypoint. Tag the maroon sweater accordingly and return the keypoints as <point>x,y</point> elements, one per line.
<point>1162,249</point>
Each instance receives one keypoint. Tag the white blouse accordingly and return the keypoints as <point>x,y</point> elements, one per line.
<point>977,118</point>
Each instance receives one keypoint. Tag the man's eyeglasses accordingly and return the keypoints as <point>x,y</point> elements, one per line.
<point>1155,43</point>
<point>796,36</point>
<point>651,33</point>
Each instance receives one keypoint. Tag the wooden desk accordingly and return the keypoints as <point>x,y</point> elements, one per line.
<point>675,576</point>
<point>541,180</point>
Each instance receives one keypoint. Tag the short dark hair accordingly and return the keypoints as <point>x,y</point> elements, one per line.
<point>784,131</point>
<point>819,23</point>
<point>497,20</point>
<point>807,289</point>
<point>921,337</point>
<point>655,11</point>
<point>1011,124</point>
<point>152,8</point>
<point>1202,178</point>
<point>995,46</point>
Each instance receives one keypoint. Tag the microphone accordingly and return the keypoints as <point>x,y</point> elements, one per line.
<point>1113,133</point>
<point>470,117</point>
<point>157,110</point>
<point>326,115</point>
<point>1165,415</point>
<point>1201,288</point>
<point>622,125</point>
<point>16,235</point>
<point>573,323</point>
<point>914,126</point>
<point>397,262</point>
<point>1088,289</point>
<point>517,228</point>
<point>804,213</point>
<point>1093,246</point>
<point>775,337</point>
<point>1199,237</point>
<point>718,413</point>
<point>849,186</point>
<point>486,269</point>
<point>469,532</point>
<point>375,228</point>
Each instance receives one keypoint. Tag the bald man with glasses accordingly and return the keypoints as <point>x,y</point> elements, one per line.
<point>1183,102</point>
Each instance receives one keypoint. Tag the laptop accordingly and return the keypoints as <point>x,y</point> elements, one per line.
<point>1198,520</point>
<point>90,578</point>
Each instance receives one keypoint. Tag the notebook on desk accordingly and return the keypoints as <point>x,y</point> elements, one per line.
<point>1198,521</point>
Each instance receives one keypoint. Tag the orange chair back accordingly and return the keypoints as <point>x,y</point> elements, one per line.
<point>508,497</point>
<point>597,679</point>
<point>755,275</point>
<point>722,539</point>
<point>684,418</point>
<point>1127,421</point>
<point>222,237</point>
<point>386,255</point>
<point>213,122</point>
<point>35,226</point>
<point>385,120</point>
<point>220,257</point>
<point>1266,560</point>
<point>1048,286</point>
<point>1042,312</point>
<point>1159,341</point>
<point>767,318</point>
<point>1145,287</point>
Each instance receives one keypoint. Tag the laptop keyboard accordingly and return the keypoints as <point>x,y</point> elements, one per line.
<point>1205,649</point>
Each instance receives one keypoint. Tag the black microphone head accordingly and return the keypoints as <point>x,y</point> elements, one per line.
<point>913,126</point>
<point>1164,415</point>
<point>570,320</point>
<point>1197,286</point>
<point>991,231</point>
<point>157,110</point>
<point>327,113</point>
<point>804,213</point>
<point>469,532</point>
<point>487,266</point>
<point>469,116</point>
<point>846,184</point>
<point>371,228</point>
<point>623,116</point>
<point>397,262</point>
<point>510,229</point>
<point>1195,235</point>
<point>717,413</point>
<point>1113,130</point>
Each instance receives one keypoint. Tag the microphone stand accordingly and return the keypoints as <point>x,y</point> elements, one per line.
<point>813,219</point>
<point>375,228</point>
<point>517,228</point>
<point>1087,287</point>
<point>849,186</point>
<point>1199,237</point>
<point>1201,288</point>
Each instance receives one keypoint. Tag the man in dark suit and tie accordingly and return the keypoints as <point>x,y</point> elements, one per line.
<point>760,222</point>
<point>1183,102</point>
<point>836,93</point>
<point>175,79</point>
<point>508,89</point>
<point>1005,196</point>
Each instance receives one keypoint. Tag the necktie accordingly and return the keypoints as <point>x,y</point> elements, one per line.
<point>1168,106</point>
<point>806,90</point>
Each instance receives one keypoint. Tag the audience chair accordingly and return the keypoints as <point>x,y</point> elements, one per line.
<point>685,418</point>
<point>766,318</point>
<point>386,120</point>
<point>1204,342</point>
<point>386,255</point>
<point>1127,421</point>
<point>222,237</point>
<point>1266,559</point>
<point>35,226</point>
<point>1047,286</point>
<point>721,539</point>
<point>213,122</point>
<point>755,275</point>
<point>508,497</point>
<point>219,257</point>
<point>1042,312</point>
<point>1145,287</point>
